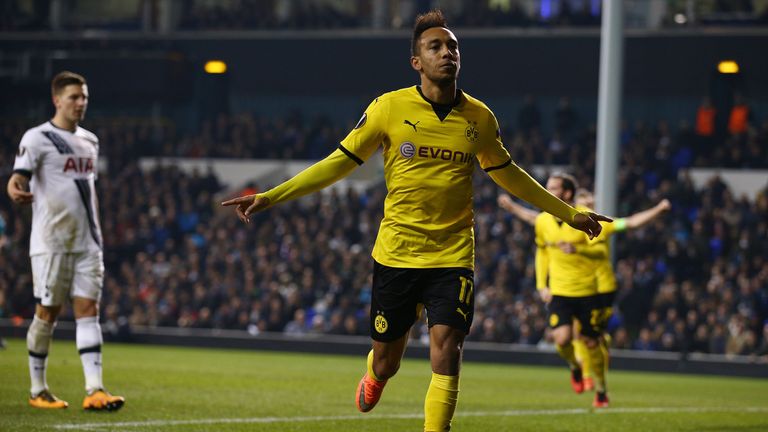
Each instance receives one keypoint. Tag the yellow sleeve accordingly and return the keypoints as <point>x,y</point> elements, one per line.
<point>369,132</point>
<point>517,182</point>
<point>322,174</point>
<point>542,258</point>
<point>491,153</point>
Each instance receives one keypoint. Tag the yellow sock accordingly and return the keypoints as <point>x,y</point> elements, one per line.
<point>440,402</point>
<point>598,367</point>
<point>370,367</point>
<point>582,355</point>
<point>567,353</point>
<point>604,343</point>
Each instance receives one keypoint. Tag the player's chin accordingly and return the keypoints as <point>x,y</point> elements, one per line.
<point>447,78</point>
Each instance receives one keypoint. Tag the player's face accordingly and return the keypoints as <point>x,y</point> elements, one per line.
<point>586,200</point>
<point>438,58</point>
<point>72,102</point>
<point>555,187</point>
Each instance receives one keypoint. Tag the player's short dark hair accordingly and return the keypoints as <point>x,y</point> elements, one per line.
<point>424,22</point>
<point>65,78</point>
<point>569,182</point>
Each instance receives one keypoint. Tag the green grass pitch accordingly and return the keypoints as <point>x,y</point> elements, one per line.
<point>186,389</point>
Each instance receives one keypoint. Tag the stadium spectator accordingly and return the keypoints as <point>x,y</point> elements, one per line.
<point>705,119</point>
<point>566,119</point>
<point>529,117</point>
<point>740,117</point>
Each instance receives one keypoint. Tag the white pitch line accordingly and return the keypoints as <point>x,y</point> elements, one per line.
<point>509,413</point>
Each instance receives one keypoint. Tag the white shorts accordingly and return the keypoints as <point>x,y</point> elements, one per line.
<point>60,276</point>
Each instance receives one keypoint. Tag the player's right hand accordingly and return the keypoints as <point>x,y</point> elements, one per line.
<point>545,295</point>
<point>247,205</point>
<point>18,193</point>
<point>589,222</point>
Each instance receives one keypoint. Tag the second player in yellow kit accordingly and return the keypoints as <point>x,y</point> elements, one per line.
<point>566,266</point>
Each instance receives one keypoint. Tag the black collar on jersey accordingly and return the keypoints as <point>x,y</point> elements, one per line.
<point>441,110</point>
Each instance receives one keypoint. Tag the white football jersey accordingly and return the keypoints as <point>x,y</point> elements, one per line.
<point>62,170</point>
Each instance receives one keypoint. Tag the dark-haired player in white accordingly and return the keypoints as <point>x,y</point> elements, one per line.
<point>54,172</point>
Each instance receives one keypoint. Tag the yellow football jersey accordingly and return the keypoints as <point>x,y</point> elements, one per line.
<point>606,278</point>
<point>429,157</point>
<point>566,274</point>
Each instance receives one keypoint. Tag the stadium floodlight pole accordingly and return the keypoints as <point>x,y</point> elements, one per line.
<point>609,106</point>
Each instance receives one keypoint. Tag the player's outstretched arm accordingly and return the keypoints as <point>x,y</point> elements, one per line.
<point>523,213</point>
<point>318,176</point>
<point>18,187</point>
<point>641,218</point>
<point>517,182</point>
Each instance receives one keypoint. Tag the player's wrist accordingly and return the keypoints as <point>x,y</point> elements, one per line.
<point>572,213</point>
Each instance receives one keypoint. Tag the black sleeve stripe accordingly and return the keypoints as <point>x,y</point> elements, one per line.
<point>493,168</point>
<point>351,155</point>
<point>25,173</point>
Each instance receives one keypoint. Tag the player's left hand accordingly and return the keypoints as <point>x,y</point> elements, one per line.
<point>589,222</point>
<point>505,201</point>
<point>247,205</point>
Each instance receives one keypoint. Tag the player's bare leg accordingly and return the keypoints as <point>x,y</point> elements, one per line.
<point>383,363</point>
<point>39,338</point>
<point>445,349</point>
<point>89,341</point>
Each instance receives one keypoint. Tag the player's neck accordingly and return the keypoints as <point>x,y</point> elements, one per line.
<point>62,123</point>
<point>443,95</point>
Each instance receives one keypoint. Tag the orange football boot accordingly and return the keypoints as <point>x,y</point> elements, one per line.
<point>101,400</point>
<point>368,393</point>
<point>45,399</point>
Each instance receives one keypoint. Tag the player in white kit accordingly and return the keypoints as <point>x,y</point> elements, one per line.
<point>55,171</point>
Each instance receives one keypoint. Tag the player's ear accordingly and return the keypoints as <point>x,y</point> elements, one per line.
<point>416,63</point>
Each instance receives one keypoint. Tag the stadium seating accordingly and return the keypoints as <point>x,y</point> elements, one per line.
<point>694,281</point>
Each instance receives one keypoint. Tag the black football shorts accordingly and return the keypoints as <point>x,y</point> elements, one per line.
<point>398,295</point>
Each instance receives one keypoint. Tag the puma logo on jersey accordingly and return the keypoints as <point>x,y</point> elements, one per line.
<point>79,165</point>
<point>413,125</point>
<point>462,313</point>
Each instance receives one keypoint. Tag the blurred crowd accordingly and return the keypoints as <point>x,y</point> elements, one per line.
<point>142,15</point>
<point>696,280</point>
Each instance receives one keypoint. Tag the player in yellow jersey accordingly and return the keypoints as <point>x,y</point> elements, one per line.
<point>430,136</point>
<point>606,279</point>
<point>565,278</point>
<point>606,282</point>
